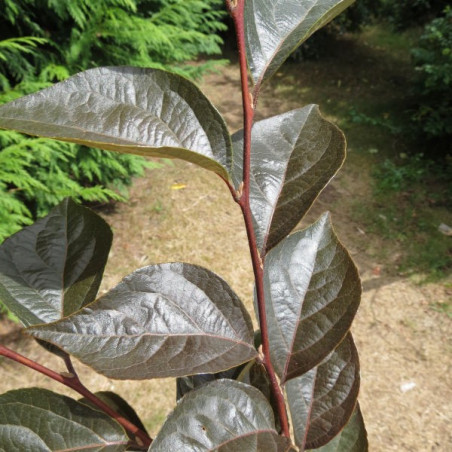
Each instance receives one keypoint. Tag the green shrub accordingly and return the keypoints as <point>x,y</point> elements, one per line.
<point>14,61</point>
<point>433,87</point>
<point>392,177</point>
<point>149,33</point>
<point>408,13</point>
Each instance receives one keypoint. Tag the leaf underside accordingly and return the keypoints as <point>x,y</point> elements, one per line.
<point>322,400</point>
<point>39,420</point>
<point>312,292</point>
<point>167,320</point>
<point>133,110</point>
<point>54,267</point>
<point>225,416</point>
<point>275,29</point>
<point>293,157</point>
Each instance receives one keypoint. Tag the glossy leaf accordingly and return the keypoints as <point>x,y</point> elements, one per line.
<point>293,157</point>
<point>167,320</point>
<point>353,438</point>
<point>133,110</point>
<point>120,406</point>
<point>186,384</point>
<point>225,416</point>
<point>312,291</point>
<point>54,267</point>
<point>322,400</point>
<point>39,420</point>
<point>275,29</point>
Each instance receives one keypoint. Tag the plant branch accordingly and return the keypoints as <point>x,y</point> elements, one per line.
<point>72,381</point>
<point>236,9</point>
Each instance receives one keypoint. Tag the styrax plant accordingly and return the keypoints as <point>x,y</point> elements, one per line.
<point>236,388</point>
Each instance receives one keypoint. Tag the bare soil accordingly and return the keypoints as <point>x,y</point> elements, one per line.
<point>183,213</point>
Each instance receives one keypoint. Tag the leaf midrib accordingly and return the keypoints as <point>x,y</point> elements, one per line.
<point>131,336</point>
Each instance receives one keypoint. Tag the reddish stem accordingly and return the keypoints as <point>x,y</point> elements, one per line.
<point>72,381</point>
<point>237,13</point>
<point>236,9</point>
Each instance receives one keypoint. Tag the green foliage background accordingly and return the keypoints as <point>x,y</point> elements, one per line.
<point>408,13</point>
<point>433,61</point>
<point>44,41</point>
<point>428,114</point>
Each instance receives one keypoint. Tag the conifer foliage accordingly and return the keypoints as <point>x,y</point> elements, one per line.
<point>45,41</point>
<point>238,389</point>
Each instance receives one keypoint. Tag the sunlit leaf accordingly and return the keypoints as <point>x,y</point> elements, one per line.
<point>275,29</point>
<point>322,400</point>
<point>223,416</point>
<point>160,321</point>
<point>353,438</point>
<point>133,110</point>
<point>39,420</point>
<point>312,291</point>
<point>54,267</point>
<point>293,156</point>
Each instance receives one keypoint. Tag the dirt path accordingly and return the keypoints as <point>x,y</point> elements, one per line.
<point>184,213</point>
